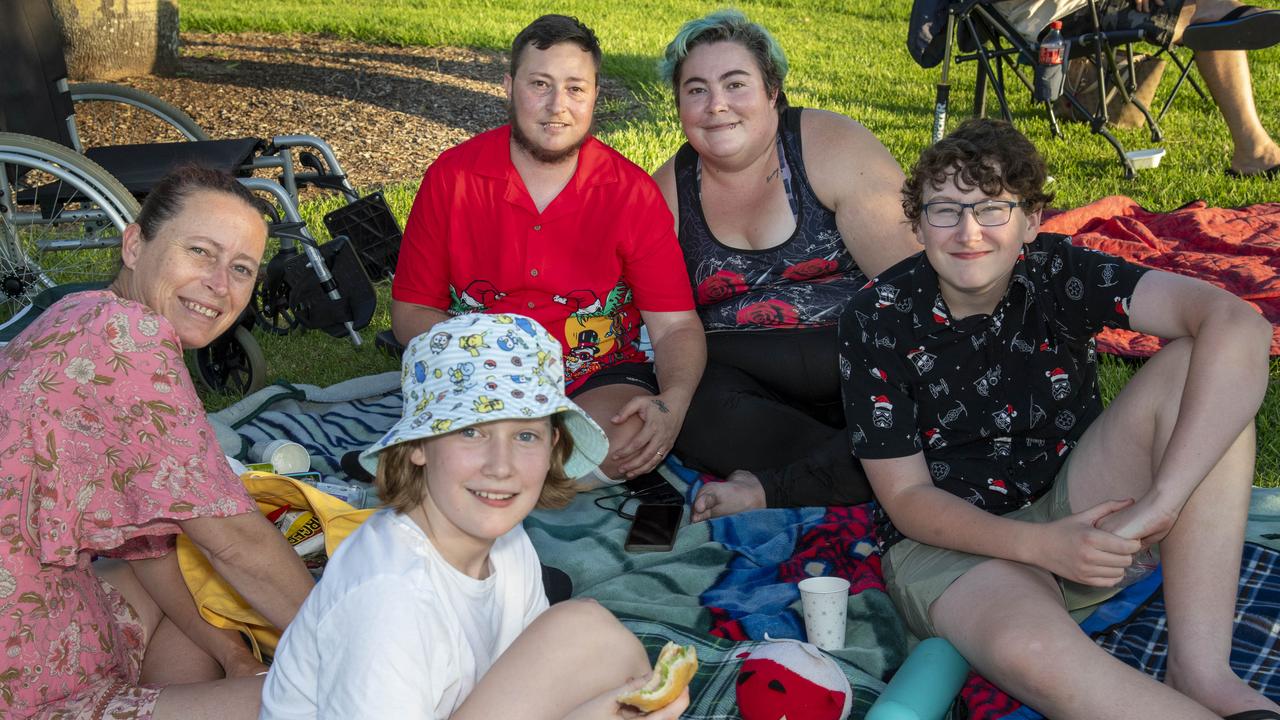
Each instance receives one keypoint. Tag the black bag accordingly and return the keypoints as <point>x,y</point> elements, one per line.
<point>927,33</point>
<point>310,302</point>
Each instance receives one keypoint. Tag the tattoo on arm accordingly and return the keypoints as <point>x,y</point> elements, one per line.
<point>661,406</point>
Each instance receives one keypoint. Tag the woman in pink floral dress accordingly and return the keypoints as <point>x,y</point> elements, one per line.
<point>105,451</point>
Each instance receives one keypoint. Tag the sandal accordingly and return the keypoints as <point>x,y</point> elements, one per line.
<point>1270,173</point>
<point>1240,29</point>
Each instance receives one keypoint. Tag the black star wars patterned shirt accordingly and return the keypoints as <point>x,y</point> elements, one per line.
<point>995,401</point>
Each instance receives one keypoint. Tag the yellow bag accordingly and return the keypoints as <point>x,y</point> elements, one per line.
<point>217,601</point>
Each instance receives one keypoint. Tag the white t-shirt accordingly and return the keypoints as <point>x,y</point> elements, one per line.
<point>393,630</point>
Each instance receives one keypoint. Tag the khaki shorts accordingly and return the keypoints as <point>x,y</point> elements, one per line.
<point>917,574</point>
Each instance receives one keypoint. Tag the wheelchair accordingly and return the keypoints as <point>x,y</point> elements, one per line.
<point>66,197</point>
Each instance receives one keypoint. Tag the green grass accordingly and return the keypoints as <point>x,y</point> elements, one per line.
<point>847,57</point>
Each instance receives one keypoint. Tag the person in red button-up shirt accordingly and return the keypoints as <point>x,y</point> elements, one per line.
<point>540,218</point>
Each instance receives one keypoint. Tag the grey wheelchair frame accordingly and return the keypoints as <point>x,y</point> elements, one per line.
<point>64,206</point>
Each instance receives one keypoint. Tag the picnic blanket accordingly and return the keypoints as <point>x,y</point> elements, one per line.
<point>731,582</point>
<point>1233,248</point>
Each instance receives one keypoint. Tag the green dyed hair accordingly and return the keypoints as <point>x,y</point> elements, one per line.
<point>727,26</point>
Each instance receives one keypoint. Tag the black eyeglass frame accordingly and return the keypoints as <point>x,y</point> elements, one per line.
<point>1009,205</point>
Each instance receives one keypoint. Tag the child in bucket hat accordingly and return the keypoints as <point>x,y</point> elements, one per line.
<point>480,368</point>
<point>442,586</point>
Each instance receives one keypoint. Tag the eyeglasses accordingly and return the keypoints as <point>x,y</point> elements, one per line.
<point>988,213</point>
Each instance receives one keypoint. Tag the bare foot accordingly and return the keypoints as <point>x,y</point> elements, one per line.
<point>1223,693</point>
<point>739,492</point>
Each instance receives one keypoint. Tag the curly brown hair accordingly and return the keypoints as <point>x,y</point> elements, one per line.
<point>402,485</point>
<point>987,154</point>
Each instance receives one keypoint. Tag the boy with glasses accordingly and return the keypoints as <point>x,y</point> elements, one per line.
<point>1008,496</point>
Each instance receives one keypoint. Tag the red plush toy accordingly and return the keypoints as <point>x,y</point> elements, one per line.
<point>791,679</point>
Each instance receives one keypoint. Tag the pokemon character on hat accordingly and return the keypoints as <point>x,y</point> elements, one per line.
<point>479,368</point>
<point>792,679</point>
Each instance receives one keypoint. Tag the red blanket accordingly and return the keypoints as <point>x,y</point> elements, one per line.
<point>1237,249</point>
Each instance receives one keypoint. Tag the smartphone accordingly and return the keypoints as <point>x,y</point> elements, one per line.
<point>652,488</point>
<point>654,527</point>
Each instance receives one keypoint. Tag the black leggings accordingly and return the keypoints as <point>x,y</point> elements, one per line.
<point>769,402</point>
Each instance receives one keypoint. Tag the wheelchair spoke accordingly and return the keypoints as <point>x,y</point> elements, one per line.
<point>62,221</point>
<point>271,307</point>
<point>232,364</point>
<point>54,236</point>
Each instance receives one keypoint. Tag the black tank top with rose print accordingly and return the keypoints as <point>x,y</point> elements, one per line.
<point>803,282</point>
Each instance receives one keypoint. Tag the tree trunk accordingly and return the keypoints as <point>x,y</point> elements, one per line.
<point>111,39</point>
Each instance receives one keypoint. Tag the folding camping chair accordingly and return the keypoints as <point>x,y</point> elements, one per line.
<point>982,34</point>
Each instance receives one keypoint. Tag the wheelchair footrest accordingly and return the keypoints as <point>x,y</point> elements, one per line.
<point>373,231</point>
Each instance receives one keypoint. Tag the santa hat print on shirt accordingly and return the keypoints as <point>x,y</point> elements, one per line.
<point>1059,383</point>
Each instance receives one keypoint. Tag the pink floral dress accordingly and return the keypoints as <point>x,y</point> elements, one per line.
<point>104,446</point>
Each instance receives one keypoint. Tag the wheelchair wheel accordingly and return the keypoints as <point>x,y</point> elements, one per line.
<point>233,364</point>
<point>108,114</point>
<point>271,309</point>
<point>61,220</point>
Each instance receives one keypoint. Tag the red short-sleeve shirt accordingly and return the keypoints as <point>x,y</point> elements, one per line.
<point>604,249</point>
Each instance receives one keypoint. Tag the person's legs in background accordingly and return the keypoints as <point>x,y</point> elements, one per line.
<point>1225,71</point>
<point>1226,74</point>
<point>738,422</point>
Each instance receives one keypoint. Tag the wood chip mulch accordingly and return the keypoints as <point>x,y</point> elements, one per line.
<point>387,111</point>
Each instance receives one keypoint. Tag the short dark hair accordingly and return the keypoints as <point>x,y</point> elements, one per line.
<point>727,26</point>
<point>983,153</point>
<point>169,195</point>
<point>402,485</point>
<point>551,30</point>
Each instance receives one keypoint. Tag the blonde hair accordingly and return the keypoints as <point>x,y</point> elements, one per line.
<point>402,484</point>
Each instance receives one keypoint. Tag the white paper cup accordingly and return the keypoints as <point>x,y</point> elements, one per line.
<point>284,455</point>
<point>826,602</point>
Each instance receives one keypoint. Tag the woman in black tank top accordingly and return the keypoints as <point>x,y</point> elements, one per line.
<point>776,240</point>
